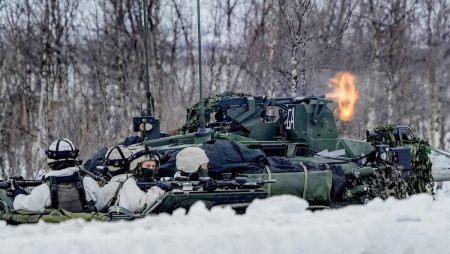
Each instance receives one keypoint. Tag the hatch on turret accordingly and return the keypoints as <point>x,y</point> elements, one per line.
<point>313,124</point>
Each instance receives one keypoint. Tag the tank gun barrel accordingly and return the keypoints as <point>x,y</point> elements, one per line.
<point>308,99</point>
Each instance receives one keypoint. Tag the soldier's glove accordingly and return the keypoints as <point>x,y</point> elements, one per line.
<point>165,186</point>
<point>210,185</point>
<point>16,189</point>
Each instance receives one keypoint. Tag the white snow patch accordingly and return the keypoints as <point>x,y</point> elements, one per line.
<point>279,224</point>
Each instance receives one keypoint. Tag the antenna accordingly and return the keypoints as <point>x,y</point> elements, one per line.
<point>147,124</point>
<point>147,75</point>
<point>201,130</point>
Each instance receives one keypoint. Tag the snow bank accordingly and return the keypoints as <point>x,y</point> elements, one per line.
<point>279,224</point>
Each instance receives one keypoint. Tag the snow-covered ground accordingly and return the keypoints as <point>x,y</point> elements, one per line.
<point>275,225</point>
<point>279,225</point>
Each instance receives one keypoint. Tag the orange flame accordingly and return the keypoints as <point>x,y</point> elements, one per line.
<point>344,92</point>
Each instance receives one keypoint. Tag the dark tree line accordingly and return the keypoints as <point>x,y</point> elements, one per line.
<point>75,69</point>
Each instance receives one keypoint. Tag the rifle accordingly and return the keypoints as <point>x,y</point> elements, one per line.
<point>19,181</point>
<point>9,186</point>
<point>182,183</point>
<point>101,175</point>
<point>242,182</point>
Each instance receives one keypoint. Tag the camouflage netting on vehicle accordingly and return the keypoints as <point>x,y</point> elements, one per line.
<point>420,179</point>
<point>386,136</point>
<point>210,106</point>
<point>15,217</point>
<point>387,182</point>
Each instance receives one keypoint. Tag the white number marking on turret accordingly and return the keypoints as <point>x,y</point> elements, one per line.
<point>290,119</point>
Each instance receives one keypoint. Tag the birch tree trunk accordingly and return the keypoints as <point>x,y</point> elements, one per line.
<point>229,55</point>
<point>294,74</point>
<point>44,82</point>
<point>435,104</point>
<point>438,32</point>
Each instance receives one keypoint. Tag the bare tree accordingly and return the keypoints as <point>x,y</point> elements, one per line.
<point>389,23</point>
<point>294,16</point>
<point>75,72</point>
<point>437,14</point>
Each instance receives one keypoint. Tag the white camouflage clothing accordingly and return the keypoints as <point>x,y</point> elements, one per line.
<point>130,196</point>
<point>40,198</point>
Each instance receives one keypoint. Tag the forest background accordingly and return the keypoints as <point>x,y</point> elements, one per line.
<point>75,68</point>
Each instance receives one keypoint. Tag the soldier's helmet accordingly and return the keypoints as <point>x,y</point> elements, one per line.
<point>141,154</point>
<point>190,159</point>
<point>118,159</point>
<point>61,150</point>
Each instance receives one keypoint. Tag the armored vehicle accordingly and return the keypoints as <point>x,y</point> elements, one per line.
<point>260,147</point>
<point>294,143</point>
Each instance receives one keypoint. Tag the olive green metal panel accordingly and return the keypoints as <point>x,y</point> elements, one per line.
<point>314,125</point>
<point>321,144</point>
<point>313,186</point>
<point>354,148</point>
<point>200,139</point>
<point>190,138</point>
<point>185,200</point>
<point>264,131</point>
<point>232,137</point>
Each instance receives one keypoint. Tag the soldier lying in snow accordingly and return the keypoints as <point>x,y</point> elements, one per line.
<point>63,187</point>
<point>126,167</point>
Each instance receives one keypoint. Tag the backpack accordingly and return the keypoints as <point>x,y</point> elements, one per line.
<point>67,192</point>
